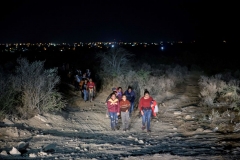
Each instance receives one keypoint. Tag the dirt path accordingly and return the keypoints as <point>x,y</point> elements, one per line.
<point>83,131</point>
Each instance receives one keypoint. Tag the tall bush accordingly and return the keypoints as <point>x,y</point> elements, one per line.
<point>218,90</point>
<point>115,61</point>
<point>37,87</point>
<point>8,96</point>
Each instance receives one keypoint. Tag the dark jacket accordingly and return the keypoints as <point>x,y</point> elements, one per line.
<point>84,86</point>
<point>130,96</point>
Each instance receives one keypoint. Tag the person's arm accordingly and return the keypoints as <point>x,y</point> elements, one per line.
<point>140,104</point>
<point>108,103</point>
<point>128,106</point>
<point>118,108</point>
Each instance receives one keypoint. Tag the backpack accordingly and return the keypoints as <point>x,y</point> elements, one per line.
<point>154,107</point>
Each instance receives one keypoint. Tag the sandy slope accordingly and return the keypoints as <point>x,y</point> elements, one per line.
<point>83,132</point>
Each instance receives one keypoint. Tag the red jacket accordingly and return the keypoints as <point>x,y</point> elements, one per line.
<point>90,85</point>
<point>145,103</point>
<point>113,105</point>
<point>124,105</point>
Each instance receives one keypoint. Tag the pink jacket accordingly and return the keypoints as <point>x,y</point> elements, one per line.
<point>113,105</point>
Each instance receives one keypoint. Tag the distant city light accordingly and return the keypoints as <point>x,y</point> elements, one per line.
<point>112,45</point>
<point>162,48</point>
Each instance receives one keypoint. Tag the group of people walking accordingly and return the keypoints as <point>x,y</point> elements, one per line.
<point>121,105</point>
<point>88,89</point>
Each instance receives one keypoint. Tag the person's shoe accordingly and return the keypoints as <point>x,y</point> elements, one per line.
<point>124,130</point>
<point>143,127</point>
<point>113,129</point>
<point>148,130</point>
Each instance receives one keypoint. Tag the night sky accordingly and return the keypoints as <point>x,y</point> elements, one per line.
<point>104,20</point>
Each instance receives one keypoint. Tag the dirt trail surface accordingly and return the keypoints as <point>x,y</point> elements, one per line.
<point>83,132</point>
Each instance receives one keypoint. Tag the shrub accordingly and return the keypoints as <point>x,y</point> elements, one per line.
<point>37,88</point>
<point>219,89</point>
<point>115,61</point>
<point>223,121</point>
<point>177,73</point>
<point>7,95</point>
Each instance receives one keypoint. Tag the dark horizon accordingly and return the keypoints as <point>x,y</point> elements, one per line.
<point>151,21</point>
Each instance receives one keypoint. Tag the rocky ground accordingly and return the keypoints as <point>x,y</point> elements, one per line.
<point>83,131</point>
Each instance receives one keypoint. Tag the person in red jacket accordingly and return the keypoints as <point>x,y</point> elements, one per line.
<point>113,110</point>
<point>145,109</point>
<point>91,89</point>
<point>124,107</point>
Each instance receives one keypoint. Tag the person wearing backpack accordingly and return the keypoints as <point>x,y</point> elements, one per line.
<point>91,89</point>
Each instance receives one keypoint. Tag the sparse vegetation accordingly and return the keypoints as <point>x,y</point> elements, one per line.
<point>221,94</point>
<point>215,91</point>
<point>7,95</point>
<point>156,80</point>
<point>34,89</point>
<point>115,61</point>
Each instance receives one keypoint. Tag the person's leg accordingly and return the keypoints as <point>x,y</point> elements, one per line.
<point>112,120</point>
<point>148,118</point>
<point>116,120</point>
<point>127,120</point>
<point>123,116</point>
<point>132,105</point>
<point>85,95</point>
<point>90,95</point>
<point>131,109</point>
<point>144,119</point>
